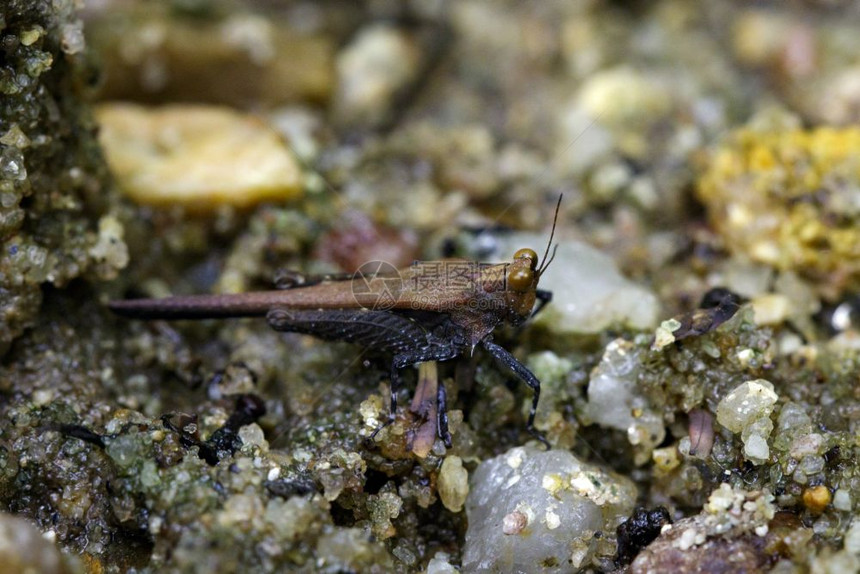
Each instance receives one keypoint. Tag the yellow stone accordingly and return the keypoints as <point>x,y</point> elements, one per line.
<point>783,198</point>
<point>453,483</point>
<point>666,459</point>
<point>771,308</point>
<point>816,498</point>
<point>200,157</point>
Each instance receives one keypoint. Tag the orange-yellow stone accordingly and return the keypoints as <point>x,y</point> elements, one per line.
<point>196,156</point>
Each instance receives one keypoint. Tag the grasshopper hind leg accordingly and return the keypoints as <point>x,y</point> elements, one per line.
<point>291,279</point>
<point>411,337</point>
<point>442,414</point>
<point>441,353</point>
<point>392,407</point>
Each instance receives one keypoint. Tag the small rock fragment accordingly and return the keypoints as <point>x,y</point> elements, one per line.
<point>615,400</point>
<point>758,189</point>
<point>110,253</point>
<point>664,335</point>
<point>196,156</point>
<point>371,71</point>
<point>718,306</point>
<point>351,550</point>
<point>842,500</point>
<point>746,403</point>
<point>240,58</point>
<point>622,95</point>
<point>627,101</point>
<point>746,410</point>
<point>440,564</point>
<point>771,309</point>
<point>24,549</point>
<point>453,483</point>
<point>516,524</point>
<point>639,531</point>
<point>725,537</point>
<point>816,498</point>
<point>665,459</point>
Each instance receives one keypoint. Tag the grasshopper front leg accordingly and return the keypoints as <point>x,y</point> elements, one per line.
<point>543,297</point>
<point>522,373</point>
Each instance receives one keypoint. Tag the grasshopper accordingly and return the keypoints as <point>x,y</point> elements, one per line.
<point>430,311</point>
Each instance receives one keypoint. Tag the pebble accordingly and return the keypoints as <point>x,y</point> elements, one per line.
<point>615,401</point>
<point>197,156</point>
<point>746,403</point>
<point>817,498</point>
<point>371,71</point>
<point>589,292</point>
<point>746,410</point>
<point>24,549</point>
<point>453,483</point>
<point>526,506</point>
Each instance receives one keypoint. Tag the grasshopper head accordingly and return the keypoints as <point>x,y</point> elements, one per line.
<point>522,281</point>
<point>524,274</point>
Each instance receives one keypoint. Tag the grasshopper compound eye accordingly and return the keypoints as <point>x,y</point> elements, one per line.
<point>521,276</point>
<point>529,254</point>
<point>520,280</point>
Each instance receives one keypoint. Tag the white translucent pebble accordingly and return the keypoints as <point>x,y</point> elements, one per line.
<point>842,500</point>
<point>611,390</point>
<point>614,400</point>
<point>553,520</point>
<point>745,403</point>
<point>793,416</point>
<point>804,445</point>
<point>624,95</point>
<point>579,553</point>
<point>754,437</point>
<point>593,142</point>
<point>589,292</point>
<point>110,247</point>
<point>756,449</point>
<point>440,564</point>
<point>379,62</point>
<point>72,37</point>
<point>252,434</point>
<point>519,526</point>
<point>687,539</point>
<point>771,309</point>
<point>665,334</point>
<point>720,499</point>
<point>852,538</point>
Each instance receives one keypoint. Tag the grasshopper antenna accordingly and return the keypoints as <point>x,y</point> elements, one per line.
<point>546,261</point>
